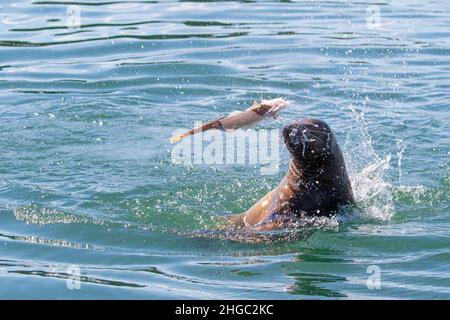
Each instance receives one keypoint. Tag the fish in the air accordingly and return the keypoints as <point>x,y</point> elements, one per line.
<point>240,119</point>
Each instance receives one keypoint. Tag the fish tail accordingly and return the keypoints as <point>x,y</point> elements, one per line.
<point>215,124</point>
<point>177,138</point>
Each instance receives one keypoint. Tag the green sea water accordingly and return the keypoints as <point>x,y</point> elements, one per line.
<point>90,92</point>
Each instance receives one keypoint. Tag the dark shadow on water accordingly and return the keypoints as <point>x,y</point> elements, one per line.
<point>16,43</point>
<point>315,284</point>
<point>312,284</point>
<point>189,23</point>
<point>157,271</point>
<point>63,275</point>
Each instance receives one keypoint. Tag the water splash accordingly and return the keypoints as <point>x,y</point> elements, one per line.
<point>400,151</point>
<point>367,169</point>
<point>372,194</point>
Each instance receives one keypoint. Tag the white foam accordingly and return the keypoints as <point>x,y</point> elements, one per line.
<point>373,195</point>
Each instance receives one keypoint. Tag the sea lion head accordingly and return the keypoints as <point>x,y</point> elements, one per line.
<point>311,142</point>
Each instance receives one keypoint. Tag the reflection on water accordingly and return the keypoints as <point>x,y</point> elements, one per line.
<point>313,284</point>
<point>81,279</point>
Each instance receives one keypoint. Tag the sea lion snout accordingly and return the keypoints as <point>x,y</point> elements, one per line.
<point>309,141</point>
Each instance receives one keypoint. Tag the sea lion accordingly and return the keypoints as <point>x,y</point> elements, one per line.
<point>316,183</point>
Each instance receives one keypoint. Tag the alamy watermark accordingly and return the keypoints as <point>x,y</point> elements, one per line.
<point>73,17</point>
<point>238,147</point>
<point>73,281</point>
<point>72,274</point>
<point>373,21</point>
<point>374,278</point>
